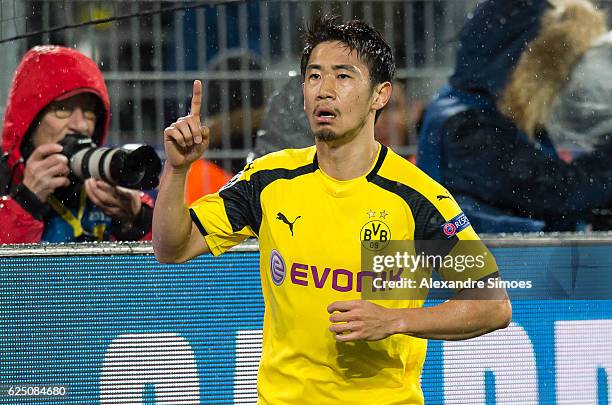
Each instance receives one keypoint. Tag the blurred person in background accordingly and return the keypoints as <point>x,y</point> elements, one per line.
<point>484,136</point>
<point>58,91</point>
<point>285,124</point>
<point>204,177</point>
<point>581,120</point>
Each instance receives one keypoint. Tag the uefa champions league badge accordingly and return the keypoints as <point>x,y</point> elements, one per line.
<point>449,229</point>
<point>455,225</point>
<point>278,270</point>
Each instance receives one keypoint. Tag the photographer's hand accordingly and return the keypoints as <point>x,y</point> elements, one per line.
<point>186,139</point>
<point>46,170</point>
<point>121,204</point>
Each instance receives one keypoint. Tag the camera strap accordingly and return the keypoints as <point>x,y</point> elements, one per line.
<point>67,215</point>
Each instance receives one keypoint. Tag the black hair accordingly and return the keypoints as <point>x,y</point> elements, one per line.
<point>371,47</point>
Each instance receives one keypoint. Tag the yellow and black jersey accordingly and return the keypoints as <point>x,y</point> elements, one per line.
<point>310,229</point>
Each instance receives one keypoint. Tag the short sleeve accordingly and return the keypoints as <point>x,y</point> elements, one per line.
<point>446,230</point>
<point>226,218</point>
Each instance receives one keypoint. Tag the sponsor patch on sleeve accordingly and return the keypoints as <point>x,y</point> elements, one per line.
<point>455,225</point>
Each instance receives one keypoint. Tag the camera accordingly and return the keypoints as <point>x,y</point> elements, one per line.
<point>137,168</point>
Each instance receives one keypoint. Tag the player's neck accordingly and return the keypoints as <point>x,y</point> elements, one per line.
<point>348,160</point>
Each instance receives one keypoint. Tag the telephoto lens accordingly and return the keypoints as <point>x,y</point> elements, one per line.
<point>137,168</point>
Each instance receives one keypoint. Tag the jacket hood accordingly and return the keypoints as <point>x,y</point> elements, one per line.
<point>544,69</point>
<point>581,120</point>
<point>491,42</point>
<point>45,74</point>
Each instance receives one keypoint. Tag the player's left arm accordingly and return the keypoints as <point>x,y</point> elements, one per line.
<point>471,313</point>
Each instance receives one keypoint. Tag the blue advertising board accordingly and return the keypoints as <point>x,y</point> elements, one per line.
<point>124,329</point>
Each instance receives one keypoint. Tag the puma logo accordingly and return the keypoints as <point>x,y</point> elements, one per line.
<point>441,197</point>
<point>281,217</point>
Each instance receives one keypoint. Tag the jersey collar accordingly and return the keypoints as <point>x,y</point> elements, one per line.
<point>339,188</point>
<point>379,161</point>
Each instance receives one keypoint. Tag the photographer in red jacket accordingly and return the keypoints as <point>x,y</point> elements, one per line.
<point>56,92</point>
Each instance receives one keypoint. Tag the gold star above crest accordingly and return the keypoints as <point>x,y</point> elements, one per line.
<point>371,214</point>
<point>383,214</point>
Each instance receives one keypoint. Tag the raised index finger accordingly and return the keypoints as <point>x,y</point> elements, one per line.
<point>196,98</point>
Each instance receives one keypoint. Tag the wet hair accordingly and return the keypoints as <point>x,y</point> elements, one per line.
<point>357,35</point>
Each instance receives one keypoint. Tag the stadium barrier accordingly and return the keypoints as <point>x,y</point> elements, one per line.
<point>107,324</point>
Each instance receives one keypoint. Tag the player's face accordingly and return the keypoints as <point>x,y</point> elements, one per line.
<point>338,96</point>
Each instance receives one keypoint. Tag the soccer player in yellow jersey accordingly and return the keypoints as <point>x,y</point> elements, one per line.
<point>311,210</point>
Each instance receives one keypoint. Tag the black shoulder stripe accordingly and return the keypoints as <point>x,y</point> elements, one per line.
<point>196,221</point>
<point>427,218</point>
<point>379,162</point>
<point>242,200</point>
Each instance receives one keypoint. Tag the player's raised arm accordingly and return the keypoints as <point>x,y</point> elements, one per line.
<point>175,239</point>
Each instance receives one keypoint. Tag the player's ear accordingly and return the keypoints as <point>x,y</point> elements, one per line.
<point>382,95</point>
